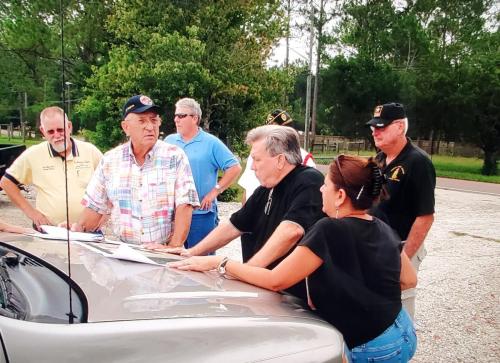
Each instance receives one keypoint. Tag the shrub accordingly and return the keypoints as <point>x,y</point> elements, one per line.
<point>231,194</point>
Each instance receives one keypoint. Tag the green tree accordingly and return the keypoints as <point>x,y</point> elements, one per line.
<point>30,49</point>
<point>479,101</point>
<point>351,88</point>
<point>212,51</point>
<point>380,30</point>
<point>434,45</point>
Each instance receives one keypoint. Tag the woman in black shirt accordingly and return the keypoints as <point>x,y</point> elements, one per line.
<point>352,263</point>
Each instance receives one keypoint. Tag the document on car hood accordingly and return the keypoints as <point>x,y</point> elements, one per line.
<point>60,233</point>
<point>120,251</point>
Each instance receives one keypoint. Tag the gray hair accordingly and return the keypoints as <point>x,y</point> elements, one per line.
<point>192,105</point>
<point>49,112</point>
<point>278,140</point>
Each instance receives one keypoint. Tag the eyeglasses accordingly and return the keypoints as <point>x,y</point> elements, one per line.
<point>381,128</point>
<point>143,121</point>
<point>182,115</point>
<point>59,130</point>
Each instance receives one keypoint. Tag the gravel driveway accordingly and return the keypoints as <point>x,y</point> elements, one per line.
<point>458,303</point>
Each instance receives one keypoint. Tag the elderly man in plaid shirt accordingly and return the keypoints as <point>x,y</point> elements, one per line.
<point>145,184</point>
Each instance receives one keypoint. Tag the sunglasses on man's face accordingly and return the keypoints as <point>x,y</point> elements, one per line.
<point>382,128</point>
<point>59,130</point>
<point>182,115</point>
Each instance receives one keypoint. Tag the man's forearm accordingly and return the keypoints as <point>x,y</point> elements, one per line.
<point>283,239</point>
<point>14,194</point>
<point>89,221</point>
<point>417,234</point>
<point>219,237</point>
<point>182,223</point>
<point>229,177</point>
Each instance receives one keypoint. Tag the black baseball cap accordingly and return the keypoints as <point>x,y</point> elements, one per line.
<point>384,114</point>
<point>279,117</point>
<point>139,104</point>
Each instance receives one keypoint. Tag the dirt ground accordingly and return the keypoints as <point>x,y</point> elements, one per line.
<point>458,303</point>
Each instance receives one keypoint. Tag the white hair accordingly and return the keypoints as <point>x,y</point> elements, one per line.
<point>50,112</point>
<point>406,124</point>
<point>278,140</point>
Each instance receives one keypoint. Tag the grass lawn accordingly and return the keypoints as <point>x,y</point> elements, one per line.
<point>16,141</point>
<point>462,168</point>
<point>446,166</point>
<point>455,167</point>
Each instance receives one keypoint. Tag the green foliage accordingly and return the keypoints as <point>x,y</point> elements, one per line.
<point>438,57</point>
<point>350,89</point>
<point>446,60</point>
<point>30,52</point>
<point>214,52</point>
<point>231,194</point>
<point>479,99</point>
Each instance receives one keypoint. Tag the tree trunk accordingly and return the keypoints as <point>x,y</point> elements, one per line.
<point>490,166</point>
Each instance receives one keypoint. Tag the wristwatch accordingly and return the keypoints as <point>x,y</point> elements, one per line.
<point>221,269</point>
<point>218,188</point>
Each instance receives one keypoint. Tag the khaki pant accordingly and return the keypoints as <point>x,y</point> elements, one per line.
<point>408,296</point>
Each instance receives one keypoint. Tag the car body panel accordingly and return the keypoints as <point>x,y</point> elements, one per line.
<point>180,340</point>
<point>139,312</point>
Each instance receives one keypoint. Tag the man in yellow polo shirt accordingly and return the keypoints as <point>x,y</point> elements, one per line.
<point>42,166</point>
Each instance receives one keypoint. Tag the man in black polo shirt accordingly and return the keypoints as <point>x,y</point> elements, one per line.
<point>280,211</point>
<point>411,180</point>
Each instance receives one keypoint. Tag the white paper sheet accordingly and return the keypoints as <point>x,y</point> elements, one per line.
<point>59,233</point>
<point>122,252</point>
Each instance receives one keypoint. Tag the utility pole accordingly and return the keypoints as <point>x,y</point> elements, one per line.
<point>287,39</point>
<point>318,61</point>
<point>23,124</point>
<point>287,47</point>
<point>69,99</point>
<point>20,100</point>
<point>309,80</point>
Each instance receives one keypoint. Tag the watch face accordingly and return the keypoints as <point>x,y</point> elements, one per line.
<point>221,269</point>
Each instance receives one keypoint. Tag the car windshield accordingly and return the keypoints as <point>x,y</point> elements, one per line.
<point>34,291</point>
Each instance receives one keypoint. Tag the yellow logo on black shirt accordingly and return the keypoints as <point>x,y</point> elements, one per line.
<point>396,173</point>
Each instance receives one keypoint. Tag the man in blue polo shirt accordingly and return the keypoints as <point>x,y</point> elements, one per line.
<point>207,155</point>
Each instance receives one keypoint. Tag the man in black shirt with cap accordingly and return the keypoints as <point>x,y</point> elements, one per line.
<point>411,180</point>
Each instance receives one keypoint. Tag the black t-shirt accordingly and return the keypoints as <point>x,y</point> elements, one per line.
<point>296,198</point>
<point>411,180</point>
<point>356,289</point>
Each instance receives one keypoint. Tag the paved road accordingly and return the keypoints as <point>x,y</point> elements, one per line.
<point>458,306</point>
<point>468,186</point>
<point>454,184</point>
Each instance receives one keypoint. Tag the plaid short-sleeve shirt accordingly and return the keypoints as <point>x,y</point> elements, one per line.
<point>142,198</point>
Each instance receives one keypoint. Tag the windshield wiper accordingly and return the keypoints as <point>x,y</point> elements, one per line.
<point>10,306</point>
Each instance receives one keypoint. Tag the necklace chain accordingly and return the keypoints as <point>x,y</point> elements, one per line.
<point>267,208</point>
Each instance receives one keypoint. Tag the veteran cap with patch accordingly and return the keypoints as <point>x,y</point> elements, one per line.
<point>279,117</point>
<point>139,104</point>
<point>386,113</point>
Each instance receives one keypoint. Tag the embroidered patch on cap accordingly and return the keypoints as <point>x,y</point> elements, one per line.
<point>378,111</point>
<point>145,100</point>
